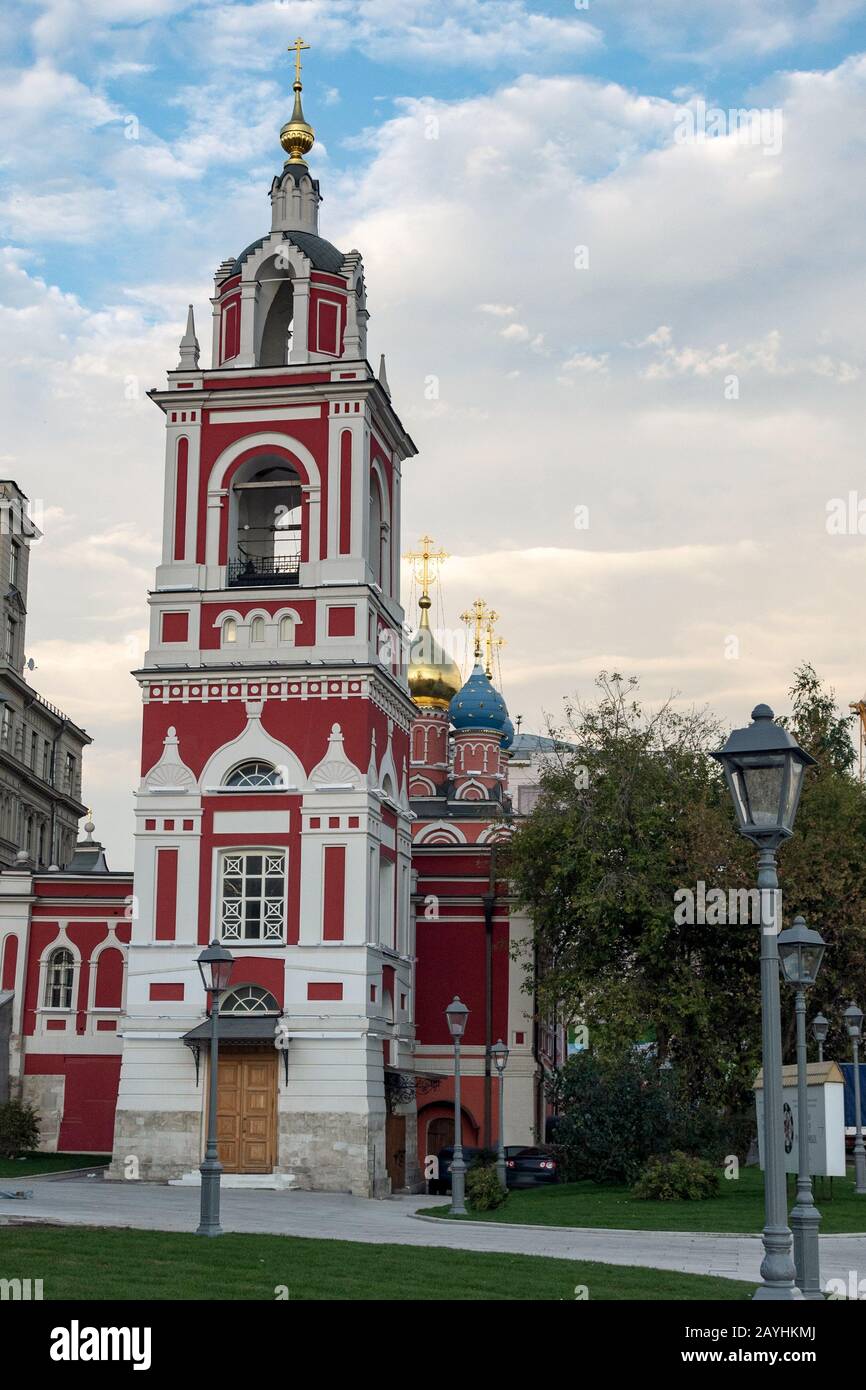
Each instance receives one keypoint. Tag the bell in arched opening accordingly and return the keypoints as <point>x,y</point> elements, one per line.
<point>269,526</point>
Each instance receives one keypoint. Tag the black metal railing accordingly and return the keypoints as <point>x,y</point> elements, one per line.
<point>264,569</point>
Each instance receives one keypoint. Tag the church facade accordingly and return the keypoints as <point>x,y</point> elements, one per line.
<point>323,801</point>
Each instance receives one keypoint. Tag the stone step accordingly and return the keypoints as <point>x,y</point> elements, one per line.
<point>279,1182</point>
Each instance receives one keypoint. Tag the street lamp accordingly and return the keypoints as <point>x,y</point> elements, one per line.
<point>216,965</point>
<point>820,1029</point>
<point>764,768</point>
<point>800,952</point>
<point>457,1015</point>
<point>499,1053</point>
<point>854,1023</point>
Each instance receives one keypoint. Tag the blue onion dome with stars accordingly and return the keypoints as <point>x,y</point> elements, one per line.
<point>479,705</point>
<point>507,734</point>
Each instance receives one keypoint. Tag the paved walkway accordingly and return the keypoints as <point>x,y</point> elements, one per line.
<point>150,1206</point>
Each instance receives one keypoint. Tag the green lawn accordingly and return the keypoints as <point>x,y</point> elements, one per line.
<point>33,1164</point>
<point>85,1263</point>
<point>738,1208</point>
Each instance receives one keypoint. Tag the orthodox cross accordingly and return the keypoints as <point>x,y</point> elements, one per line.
<point>298,46</point>
<point>426,562</point>
<point>477,618</point>
<point>491,643</point>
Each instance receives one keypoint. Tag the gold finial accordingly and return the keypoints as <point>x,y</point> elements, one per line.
<point>425,562</point>
<point>296,136</point>
<point>492,643</point>
<point>477,617</point>
<point>434,676</point>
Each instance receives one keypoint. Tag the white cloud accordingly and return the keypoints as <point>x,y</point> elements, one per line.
<point>699,263</point>
<point>515,333</point>
<point>740,29</point>
<point>584,363</point>
<point>480,34</point>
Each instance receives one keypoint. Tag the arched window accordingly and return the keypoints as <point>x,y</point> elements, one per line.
<point>276,340</point>
<point>375,529</point>
<point>229,631</point>
<point>108,993</point>
<point>58,979</point>
<point>253,774</point>
<point>257,630</point>
<point>249,999</point>
<point>287,629</point>
<point>269,508</point>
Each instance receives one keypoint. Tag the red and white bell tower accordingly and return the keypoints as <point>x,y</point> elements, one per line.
<point>273,808</point>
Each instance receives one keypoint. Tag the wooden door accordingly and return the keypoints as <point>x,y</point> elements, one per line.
<point>246,1111</point>
<point>395,1150</point>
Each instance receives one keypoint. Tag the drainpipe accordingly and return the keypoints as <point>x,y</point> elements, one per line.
<point>489,901</point>
<point>539,1071</point>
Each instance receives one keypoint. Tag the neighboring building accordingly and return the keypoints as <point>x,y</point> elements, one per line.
<point>466,764</point>
<point>63,942</point>
<point>40,747</point>
<point>277,808</point>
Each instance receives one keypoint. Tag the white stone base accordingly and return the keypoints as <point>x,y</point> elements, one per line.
<point>279,1182</point>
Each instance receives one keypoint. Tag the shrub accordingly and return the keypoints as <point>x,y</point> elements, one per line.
<point>19,1129</point>
<point>614,1114</point>
<point>677,1176</point>
<point>483,1189</point>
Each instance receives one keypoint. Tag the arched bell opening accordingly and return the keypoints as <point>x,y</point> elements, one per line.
<point>277,331</point>
<point>266,523</point>
<point>275,310</point>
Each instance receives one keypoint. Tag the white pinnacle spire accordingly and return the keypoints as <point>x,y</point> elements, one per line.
<point>383,376</point>
<point>189,348</point>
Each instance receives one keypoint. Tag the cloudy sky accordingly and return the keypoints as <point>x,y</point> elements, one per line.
<point>615,258</point>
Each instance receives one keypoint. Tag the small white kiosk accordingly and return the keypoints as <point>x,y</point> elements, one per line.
<point>826,1118</point>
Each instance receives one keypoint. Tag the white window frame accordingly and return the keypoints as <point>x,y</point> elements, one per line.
<point>272,918</point>
<point>48,984</point>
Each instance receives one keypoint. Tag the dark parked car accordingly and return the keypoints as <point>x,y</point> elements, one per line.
<point>524,1166</point>
<point>442,1184</point>
<point>529,1167</point>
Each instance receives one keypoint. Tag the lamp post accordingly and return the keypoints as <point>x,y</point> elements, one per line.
<point>854,1023</point>
<point>764,769</point>
<point>820,1029</point>
<point>216,965</point>
<point>800,952</point>
<point>457,1015</point>
<point>499,1053</point>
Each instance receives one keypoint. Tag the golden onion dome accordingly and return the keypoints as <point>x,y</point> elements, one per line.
<point>297,137</point>
<point>434,676</point>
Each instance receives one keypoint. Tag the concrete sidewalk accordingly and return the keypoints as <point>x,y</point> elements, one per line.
<point>150,1206</point>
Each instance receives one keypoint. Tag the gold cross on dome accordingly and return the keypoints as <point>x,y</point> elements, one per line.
<point>426,561</point>
<point>299,47</point>
<point>477,618</point>
<point>491,643</point>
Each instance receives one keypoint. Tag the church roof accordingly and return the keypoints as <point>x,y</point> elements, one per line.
<point>536,743</point>
<point>89,858</point>
<point>323,255</point>
<point>434,676</point>
<point>478,705</point>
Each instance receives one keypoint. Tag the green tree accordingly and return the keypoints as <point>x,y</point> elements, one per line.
<point>633,809</point>
<point>823,867</point>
